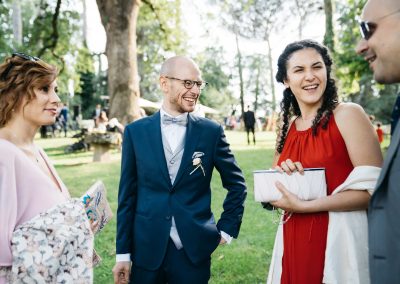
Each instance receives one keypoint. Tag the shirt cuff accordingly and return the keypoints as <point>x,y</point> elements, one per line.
<point>123,257</point>
<point>226,237</point>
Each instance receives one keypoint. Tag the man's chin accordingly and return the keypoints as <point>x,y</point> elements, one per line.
<point>189,108</point>
<point>383,78</point>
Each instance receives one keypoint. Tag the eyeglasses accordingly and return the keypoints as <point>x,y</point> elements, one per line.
<point>188,84</point>
<point>11,65</point>
<point>368,28</point>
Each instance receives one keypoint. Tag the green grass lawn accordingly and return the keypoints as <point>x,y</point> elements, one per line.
<point>246,260</point>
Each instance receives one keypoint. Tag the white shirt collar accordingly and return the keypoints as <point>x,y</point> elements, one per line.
<point>162,112</point>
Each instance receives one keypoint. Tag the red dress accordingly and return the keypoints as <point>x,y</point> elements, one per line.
<point>304,235</point>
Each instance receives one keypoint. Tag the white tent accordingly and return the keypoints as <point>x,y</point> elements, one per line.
<point>148,104</point>
<point>206,109</point>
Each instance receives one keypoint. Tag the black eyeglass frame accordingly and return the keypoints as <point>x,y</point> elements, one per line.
<point>188,84</point>
<point>24,56</point>
<point>367,28</point>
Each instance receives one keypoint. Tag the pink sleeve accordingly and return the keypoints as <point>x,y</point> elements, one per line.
<point>8,206</point>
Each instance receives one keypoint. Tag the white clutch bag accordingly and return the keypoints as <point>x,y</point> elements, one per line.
<point>311,185</point>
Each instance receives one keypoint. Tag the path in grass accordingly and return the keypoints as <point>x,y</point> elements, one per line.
<point>244,261</point>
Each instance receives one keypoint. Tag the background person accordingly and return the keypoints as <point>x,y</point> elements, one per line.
<point>63,117</point>
<point>379,132</point>
<point>249,120</point>
<point>96,113</point>
<point>318,131</point>
<point>164,219</point>
<point>102,121</point>
<point>30,185</point>
<point>380,46</point>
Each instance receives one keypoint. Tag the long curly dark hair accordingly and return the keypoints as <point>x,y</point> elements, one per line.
<point>289,105</point>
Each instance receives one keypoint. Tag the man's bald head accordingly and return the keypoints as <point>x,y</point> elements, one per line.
<point>173,65</point>
<point>385,6</point>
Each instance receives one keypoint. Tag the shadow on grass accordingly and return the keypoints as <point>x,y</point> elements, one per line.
<point>73,165</point>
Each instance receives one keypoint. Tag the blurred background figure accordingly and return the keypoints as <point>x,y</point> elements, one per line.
<point>249,120</point>
<point>63,118</point>
<point>101,122</point>
<point>96,113</point>
<point>379,132</point>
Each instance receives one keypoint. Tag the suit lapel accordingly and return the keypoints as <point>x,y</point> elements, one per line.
<point>154,138</point>
<point>394,144</point>
<point>193,133</point>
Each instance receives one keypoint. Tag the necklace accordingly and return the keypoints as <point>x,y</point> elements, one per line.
<point>31,152</point>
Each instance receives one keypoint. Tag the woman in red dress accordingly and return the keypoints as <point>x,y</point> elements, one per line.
<point>317,131</point>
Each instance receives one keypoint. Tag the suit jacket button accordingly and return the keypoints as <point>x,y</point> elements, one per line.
<point>168,217</point>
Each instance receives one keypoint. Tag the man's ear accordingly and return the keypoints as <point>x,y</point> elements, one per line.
<point>163,84</point>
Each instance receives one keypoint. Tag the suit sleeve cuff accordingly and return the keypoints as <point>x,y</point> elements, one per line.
<point>123,257</point>
<point>226,237</point>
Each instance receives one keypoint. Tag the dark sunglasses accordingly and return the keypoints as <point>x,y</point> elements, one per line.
<point>367,28</point>
<point>11,65</point>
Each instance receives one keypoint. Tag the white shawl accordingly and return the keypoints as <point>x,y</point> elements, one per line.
<point>346,255</point>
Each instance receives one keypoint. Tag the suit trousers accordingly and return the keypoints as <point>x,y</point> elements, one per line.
<point>176,268</point>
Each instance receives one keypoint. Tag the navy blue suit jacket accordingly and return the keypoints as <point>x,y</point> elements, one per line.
<point>147,199</point>
<point>383,219</point>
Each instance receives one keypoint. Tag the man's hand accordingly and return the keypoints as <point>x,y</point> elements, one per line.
<point>222,241</point>
<point>121,272</point>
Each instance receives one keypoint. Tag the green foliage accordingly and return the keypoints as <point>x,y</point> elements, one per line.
<point>90,86</point>
<point>6,33</point>
<point>214,71</point>
<point>158,36</point>
<point>37,28</point>
<point>257,84</point>
<point>350,66</point>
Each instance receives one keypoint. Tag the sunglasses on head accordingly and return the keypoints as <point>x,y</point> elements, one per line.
<point>367,28</point>
<point>11,65</point>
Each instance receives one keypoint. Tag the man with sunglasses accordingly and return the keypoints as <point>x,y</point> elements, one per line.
<point>380,46</point>
<point>164,221</point>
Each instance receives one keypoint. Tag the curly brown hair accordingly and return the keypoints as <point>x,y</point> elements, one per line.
<point>289,105</point>
<point>19,76</point>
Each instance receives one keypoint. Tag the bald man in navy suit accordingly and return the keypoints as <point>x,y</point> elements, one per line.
<point>165,227</point>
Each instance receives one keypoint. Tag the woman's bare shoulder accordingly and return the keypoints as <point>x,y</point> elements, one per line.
<point>350,114</point>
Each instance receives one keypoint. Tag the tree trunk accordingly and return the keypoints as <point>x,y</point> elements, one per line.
<point>271,122</point>
<point>301,20</point>
<point>84,18</point>
<point>257,90</point>
<point>240,68</point>
<point>119,18</point>
<point>329,34</point>
<point>17,22</point>
<point>271,74</point>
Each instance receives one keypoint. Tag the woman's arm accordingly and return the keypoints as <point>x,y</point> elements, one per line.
<point>349,200</point>
<point>363,149</point>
